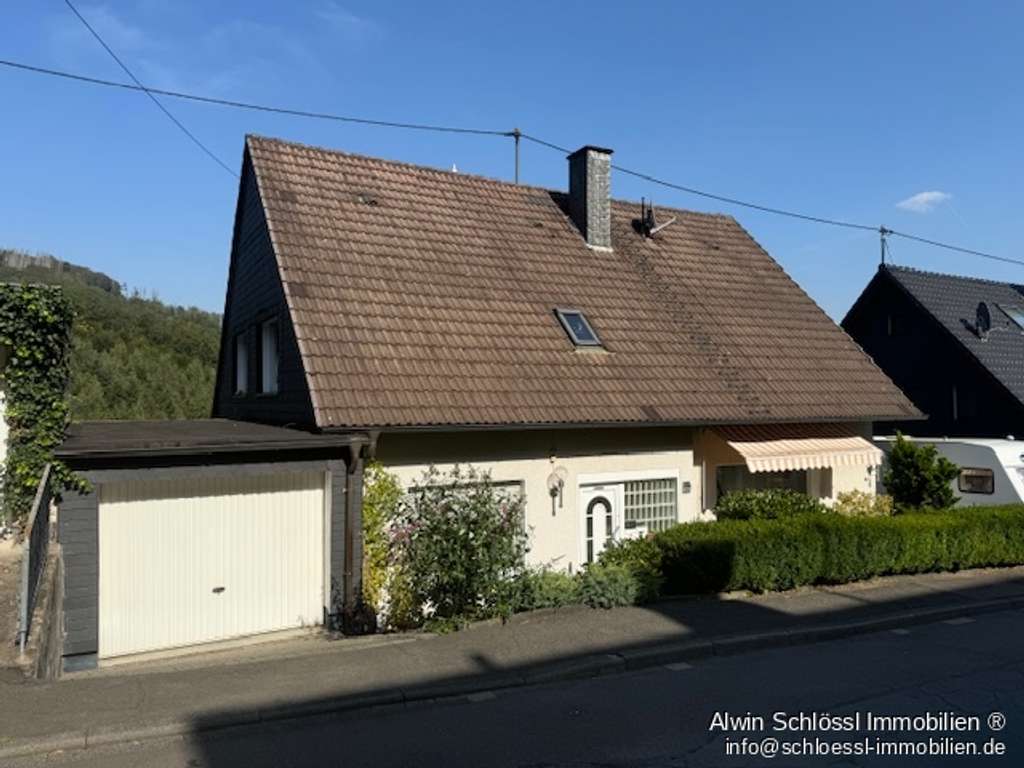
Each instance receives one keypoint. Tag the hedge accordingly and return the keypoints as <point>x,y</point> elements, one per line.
<point>765,555</point>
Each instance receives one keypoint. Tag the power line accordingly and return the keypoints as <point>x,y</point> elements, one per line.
<point>956,248</point>
<point>515,134</point>
<point>882,231</point>
<point>252,106</point>
<point>712,196</point>
<point>173,119</point>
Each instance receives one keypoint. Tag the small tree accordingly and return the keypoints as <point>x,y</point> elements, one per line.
<point>462,542</point>
<point>916,476</point>
<point>382,494</point>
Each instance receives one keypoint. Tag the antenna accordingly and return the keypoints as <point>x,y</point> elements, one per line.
<point>649,221</point>
<point>517,134</point>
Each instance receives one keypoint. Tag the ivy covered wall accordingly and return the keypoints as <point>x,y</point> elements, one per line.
<point>35,332</point>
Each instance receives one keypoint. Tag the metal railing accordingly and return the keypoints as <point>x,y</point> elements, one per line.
<point>35,548</point>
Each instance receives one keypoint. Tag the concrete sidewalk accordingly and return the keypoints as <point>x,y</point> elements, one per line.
<point>306,676</point>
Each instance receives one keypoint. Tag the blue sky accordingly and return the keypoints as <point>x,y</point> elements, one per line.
<point>839,110</point>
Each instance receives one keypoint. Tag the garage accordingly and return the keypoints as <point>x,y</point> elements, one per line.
<point>203,531</point>
<point>192,562</point>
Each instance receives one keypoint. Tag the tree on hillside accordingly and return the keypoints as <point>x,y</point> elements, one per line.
<point>132,357</point>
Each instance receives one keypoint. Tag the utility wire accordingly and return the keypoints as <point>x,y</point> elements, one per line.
<point>148,92</point>
<point>956,248</point>
<point>463,130</point>
<point>252,106</point>
<point>781,211</point>
<point>712,196</point>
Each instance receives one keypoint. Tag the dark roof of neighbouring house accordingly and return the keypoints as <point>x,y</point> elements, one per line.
<point>953,301</point>
<point>422,297</point>
<point>187,437</point>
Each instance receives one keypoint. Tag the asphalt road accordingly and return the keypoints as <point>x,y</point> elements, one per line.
<point>661,717</point>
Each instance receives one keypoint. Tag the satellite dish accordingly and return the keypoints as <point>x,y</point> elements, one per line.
<point>983,319</point>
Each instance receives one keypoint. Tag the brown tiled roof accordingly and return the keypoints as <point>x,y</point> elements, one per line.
<point>423,297</point>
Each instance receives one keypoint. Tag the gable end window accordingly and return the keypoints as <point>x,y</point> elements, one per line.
<point>976,480</point>
<point>578,328</point>
<point>241,364</point>
<point>268,357</point>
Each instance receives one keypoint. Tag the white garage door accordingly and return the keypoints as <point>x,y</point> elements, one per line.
<point>192,561</point>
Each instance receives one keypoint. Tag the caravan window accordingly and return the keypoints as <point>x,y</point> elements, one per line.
<point>976,480</point>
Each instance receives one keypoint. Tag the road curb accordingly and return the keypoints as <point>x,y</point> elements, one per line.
<point>575,669</point>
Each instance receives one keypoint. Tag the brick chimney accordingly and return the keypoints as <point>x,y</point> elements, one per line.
<point>590,185</point>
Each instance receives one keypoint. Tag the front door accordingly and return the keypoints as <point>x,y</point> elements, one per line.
<point>601,510</point>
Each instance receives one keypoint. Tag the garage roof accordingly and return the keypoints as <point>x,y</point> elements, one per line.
<point>93,439</point>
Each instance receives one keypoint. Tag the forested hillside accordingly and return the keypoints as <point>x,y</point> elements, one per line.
<point>133,357</point>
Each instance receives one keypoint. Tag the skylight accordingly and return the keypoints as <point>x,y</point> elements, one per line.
<point>1015,313</point>
<point>575,324</point>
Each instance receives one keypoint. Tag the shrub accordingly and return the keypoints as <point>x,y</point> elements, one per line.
<point>382,494</point>
<point>762,555</point>
<point>861,504</point>
<point>461,544</point>
<point>917,476</point>
<point>642,557</point>
<point>765,505</point>
<point>607,586</point>
<point>543,588</point>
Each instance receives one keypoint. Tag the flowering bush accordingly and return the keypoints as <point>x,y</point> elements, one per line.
<point>861,504</point>
<point>461,543</point>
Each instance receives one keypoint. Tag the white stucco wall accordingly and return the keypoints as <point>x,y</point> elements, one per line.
<point>588,456</point>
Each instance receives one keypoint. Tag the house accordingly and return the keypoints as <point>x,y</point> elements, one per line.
<point>952,344</point>
<point>618,366</point>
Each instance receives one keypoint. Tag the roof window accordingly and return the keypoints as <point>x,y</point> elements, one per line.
<point>1014,312</point>
<point>575,324</point>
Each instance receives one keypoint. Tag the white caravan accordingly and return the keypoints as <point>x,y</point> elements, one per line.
<point>991,470</point>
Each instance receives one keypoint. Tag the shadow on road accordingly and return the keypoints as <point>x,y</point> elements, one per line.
<point>684,620</point>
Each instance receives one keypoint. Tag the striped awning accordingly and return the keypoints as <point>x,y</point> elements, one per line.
<point>780,447</point>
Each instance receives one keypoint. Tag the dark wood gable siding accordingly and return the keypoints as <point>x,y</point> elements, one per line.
<point>255,294</point>
<point>927,363</point>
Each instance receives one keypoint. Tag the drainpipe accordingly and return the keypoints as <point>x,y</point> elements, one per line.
<point>356,619</point>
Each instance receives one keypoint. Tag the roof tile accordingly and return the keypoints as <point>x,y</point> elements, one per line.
<point>427,298</point>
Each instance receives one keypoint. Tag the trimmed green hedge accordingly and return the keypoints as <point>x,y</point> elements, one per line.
<point>764,555</point>
<point>769,504</point>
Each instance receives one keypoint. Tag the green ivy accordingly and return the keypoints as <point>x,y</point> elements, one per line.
<point>35,329</point>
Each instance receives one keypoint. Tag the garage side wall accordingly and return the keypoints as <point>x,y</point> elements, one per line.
<point>78,530</point>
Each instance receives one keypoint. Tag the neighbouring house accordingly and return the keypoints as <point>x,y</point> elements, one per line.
<point>953,344</point>
<point>620,367</point>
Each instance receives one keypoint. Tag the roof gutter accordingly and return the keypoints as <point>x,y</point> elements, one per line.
<point>427,428</point>
<point>347,440</point>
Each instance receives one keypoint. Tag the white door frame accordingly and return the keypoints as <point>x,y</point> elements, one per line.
<point>615,493</point>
